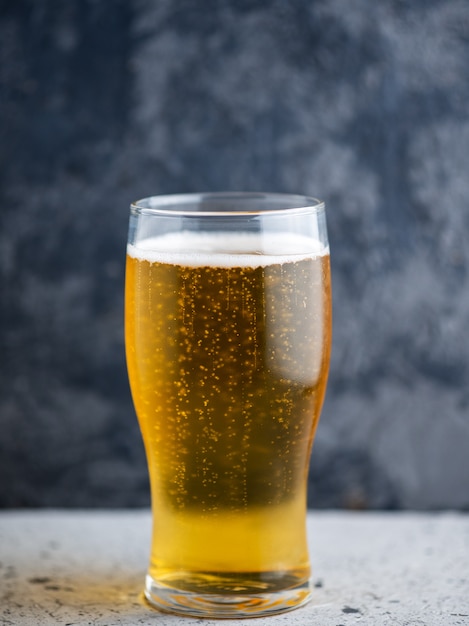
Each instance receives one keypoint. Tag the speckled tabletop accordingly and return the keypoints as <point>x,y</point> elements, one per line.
<point>87,567</point>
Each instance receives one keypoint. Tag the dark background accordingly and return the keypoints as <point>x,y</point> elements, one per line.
<point>364,104</point>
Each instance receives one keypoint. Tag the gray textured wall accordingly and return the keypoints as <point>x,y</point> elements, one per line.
<point>364,104</point>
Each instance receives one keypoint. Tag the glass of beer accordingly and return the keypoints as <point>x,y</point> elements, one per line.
<point>228,332</point>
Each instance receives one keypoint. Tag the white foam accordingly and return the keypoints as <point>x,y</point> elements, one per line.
<point>220,249</point>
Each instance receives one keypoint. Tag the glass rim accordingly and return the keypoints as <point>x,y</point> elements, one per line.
<point>167,204</point>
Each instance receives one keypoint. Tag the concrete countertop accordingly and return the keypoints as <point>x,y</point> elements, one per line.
<point>87,567</point>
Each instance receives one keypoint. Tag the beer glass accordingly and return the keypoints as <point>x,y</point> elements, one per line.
<point>228,331</point>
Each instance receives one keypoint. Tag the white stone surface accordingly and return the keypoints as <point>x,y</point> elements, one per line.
<point>87,567</point>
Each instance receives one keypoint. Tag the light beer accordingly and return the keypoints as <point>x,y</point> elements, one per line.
<point>228,354</point>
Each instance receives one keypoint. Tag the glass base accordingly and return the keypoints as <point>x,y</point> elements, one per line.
<point>228,606</point>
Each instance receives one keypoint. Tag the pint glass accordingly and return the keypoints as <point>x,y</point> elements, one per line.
<point>228,331</point>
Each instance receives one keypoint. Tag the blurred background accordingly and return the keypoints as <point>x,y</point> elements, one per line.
<point>363,104</point>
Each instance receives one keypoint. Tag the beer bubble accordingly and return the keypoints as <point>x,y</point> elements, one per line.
<point>225,249</point>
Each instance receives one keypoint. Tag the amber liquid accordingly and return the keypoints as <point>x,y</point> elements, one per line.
<point>228,367</point>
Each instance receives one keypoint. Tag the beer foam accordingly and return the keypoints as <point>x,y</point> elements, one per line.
<point>222,249</point>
